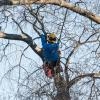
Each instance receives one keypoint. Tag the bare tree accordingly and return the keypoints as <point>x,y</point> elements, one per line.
<point>79,44</point>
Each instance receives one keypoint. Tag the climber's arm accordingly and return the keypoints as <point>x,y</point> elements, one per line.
<point>43,40</point>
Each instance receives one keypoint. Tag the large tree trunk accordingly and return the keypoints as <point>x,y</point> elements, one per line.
<point>62,89</point>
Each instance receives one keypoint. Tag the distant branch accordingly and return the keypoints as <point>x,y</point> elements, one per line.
<point>78,78</point>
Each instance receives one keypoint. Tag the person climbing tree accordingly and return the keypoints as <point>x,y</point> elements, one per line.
<point>50,54</point>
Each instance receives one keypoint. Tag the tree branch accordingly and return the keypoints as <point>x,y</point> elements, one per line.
<point>61,3</point>
<point>78,78</point>
<point>25,38</point>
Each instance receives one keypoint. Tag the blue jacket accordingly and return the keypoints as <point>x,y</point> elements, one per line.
<point>50,51</point>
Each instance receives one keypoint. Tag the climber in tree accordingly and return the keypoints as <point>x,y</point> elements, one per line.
<point>50,53</point>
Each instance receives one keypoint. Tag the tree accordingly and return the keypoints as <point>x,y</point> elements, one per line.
<point>80,49</point>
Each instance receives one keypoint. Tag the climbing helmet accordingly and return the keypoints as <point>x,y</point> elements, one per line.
<point>51,38</point>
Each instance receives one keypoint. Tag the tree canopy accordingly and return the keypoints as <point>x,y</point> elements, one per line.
<point>76,24</point>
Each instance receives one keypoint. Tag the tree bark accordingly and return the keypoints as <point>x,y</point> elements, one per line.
<point>63,92</point>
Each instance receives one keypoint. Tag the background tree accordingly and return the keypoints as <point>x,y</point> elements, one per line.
<point>21,26</point>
